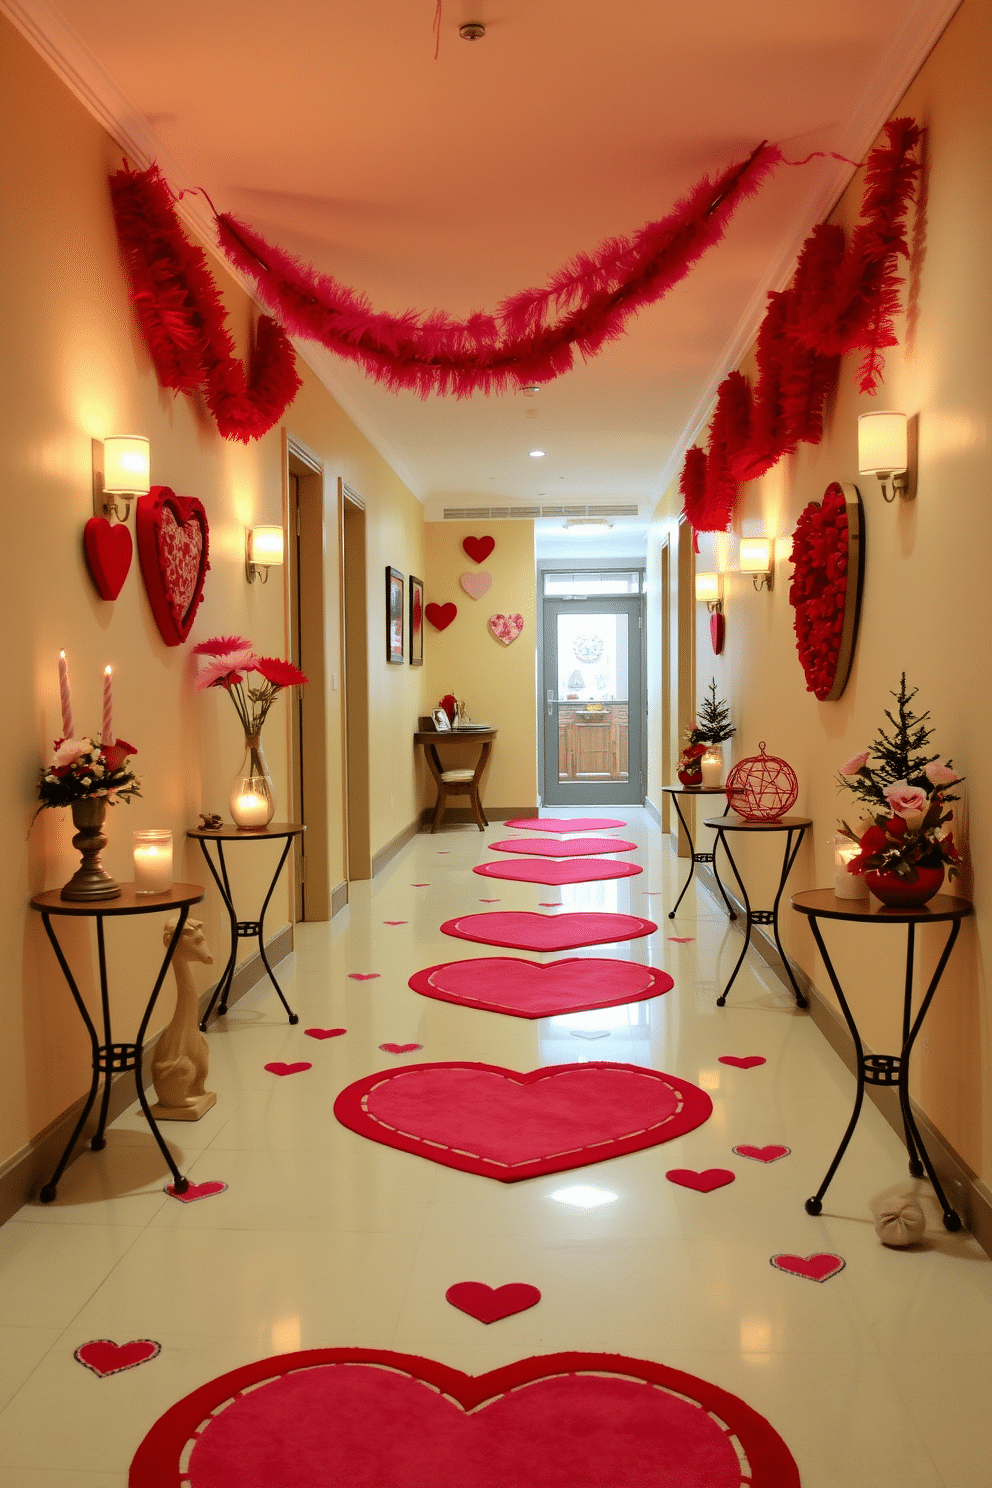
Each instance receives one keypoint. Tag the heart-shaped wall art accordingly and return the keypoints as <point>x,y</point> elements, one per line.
<point>173,546</point>
<point>479,548</point>
<point>441,616</point>
<point>105,1357</point>
<point>476,584</point>
<point>489,1304</point>
<point>506,628</point>
<point>108,555</point>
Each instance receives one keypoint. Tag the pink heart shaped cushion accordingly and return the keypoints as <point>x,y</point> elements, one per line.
<point>526,931</point>
<point>489,1304</point>
<point>529,989</point>
<point>476,584</point>
<point>818,1267</point>
<point>105,1357</point>
<point>506,628</point>
<point>704,1182</point>
<point>364,976</point>
<point>564,824</point>
<point>763,1154</point>
<point>277,1067</point>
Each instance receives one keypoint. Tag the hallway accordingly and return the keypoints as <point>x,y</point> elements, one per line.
<point>880,1376</point>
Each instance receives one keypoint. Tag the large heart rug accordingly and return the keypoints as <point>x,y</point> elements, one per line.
<point>509,1125</point>
<point>528,989</point>
<point>575,847</point>
<point>567,871</point>
<point>523,930</point>
<point>562,824</point>
<point>372,1418</point>
<point>173,544</point>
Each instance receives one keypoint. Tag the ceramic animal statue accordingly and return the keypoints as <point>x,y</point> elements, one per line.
<point>181,1059</point>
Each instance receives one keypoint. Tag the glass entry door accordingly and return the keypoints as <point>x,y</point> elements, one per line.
<point>593,705</point>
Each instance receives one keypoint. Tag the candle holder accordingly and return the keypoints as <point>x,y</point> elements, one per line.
<point>847,885</point>
<point>152,861</point>
<point>711,765</point>
<point>252,801</point>
<point>90,880</point>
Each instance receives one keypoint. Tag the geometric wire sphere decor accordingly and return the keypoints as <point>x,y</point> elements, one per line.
<point>762,788</point>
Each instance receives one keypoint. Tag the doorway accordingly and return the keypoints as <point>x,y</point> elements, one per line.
<point>356,683</point>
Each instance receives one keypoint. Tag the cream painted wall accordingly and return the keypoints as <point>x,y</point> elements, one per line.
<point>496,682</point>
<point>924,600</point>
<point>75,368</point>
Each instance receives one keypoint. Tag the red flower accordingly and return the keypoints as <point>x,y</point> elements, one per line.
<point>895,826</point>
<point>221,646</point>
<point>114,755</point>
<point>874,840</point>
<point>279,673</point>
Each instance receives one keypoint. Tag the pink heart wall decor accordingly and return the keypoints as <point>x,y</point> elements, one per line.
<point>506,628</point>
<point>704,1182</point>
<point>476,584</point>
<point>173,546</point>
<point>479,548</point>
<point>105,1357</point>
<point>489,1304</point>
<point>441,616</point>
<point>108,555</point>
<point>818,1267</point>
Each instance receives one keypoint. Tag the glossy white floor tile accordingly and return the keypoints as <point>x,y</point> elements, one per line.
<point>880,1376</point>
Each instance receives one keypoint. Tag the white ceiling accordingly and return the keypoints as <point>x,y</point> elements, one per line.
<point>453,183</point>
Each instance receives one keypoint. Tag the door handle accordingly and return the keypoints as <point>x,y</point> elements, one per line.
<point>551,696</point>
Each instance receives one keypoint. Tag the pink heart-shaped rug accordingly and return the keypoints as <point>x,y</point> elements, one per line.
<point>420,886</point>
<point>400,1048</point>
<point>478,548</point>
<point>476,584</point>
<point>173,544</point>
<point>769,1154</point>
<point>394,922</point>
<point>277,1067</point>
<point>704,1182</point>
<point>506,628</point>
<point>746,1061</point>
<point>441,616</point>
<point>550,871</point>
<point>489,1304</point>
<point>105,1357</point>
<point>529,989</point>
<point>524,930</point>
<point>818,1267</point>
<point>575,847</point>
<point>490,901</point>
<point>549,904</point>
<point>108,555</point>
<point>563,824</point>
<point>324,1033</point>
<point>374,1417</point>
<point>484,1119</point>
<point>364,976</point>
<point>196,1191</point>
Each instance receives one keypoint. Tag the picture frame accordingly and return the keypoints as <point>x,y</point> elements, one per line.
<point>441,721</point>
<point>395,598</point>
<point>416,621</point>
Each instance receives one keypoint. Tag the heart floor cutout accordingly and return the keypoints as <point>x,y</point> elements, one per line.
<point>575,847</point>
<point>818,1267</point>
<point>489,1304</point>
<point>400,1048</point>
<point>277,1067</point>
<point>570,870</point>
<point>529,989</point>
<point>746,1061</point>
<point>704,1182</point>
<point>196,1191</point>
<point>104,1357</point>
<point>563,824</point>
<point>364,976</point>
<point>763,1154</point>
<point>390,1420</point>
<point>507,1125</point>
<point>324,1033</point>
<point>523,930</point>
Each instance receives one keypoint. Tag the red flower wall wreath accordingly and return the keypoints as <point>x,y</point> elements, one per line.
<point>828,560</point>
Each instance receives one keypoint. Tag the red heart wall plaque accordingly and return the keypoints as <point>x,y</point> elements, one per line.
<point>479,548</point>
<point>441,616</point>
<point>489,1304</point>
<point>173,546</point>
<point>108,555</point>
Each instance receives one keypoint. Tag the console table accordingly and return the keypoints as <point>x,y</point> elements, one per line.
<point>704,857</point>
<point>456,782</point>
<point>887,1069</point>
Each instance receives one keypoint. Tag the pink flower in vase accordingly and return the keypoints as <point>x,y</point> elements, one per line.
<point>854,764</point>
<point>227,670</point>
<point>905,798</point>
<point>939,774</point>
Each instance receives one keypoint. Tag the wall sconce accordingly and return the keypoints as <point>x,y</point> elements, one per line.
<point>126,461</point>
<point>883,450</point>
<point>709,591</point>
<point>264,549</point>
<point>758,560</point>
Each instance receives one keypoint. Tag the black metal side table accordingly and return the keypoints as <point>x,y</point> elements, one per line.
<point>795,827</point>
<point>704,857</point>
<point>109,1058</point>
<point>244,929</point>
<point>887,1069</point>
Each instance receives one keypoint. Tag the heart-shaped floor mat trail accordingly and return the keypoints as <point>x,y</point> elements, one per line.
<point>575,847</point>
<point>704,1182</point>
<point>768,1154</point>
<point>278,1067</point>
<point>818,1267</point>
<point>489,1304</point>
<point>196,1191</point>
<point>523,930</point>
<point>568,871</point>
<point>564,824</point>
<point>391,1420</point>
<point>400,1048</point>
<point>324,1033</point>
<point>531,989</point>
<point>507,1125</point>
<point>364,976</point>
<point>104,1357</point>
<point>745,1061</point>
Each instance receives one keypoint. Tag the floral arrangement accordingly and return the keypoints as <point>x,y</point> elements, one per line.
<point>818,593</point>
<point>454,707</point>
<point>905,793</point>
<point>84,768</point>
<point>230,660</point>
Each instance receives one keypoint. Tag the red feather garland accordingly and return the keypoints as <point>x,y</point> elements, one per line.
<point>692,488</point>
<point>183,317</point>
<point>728,437</point>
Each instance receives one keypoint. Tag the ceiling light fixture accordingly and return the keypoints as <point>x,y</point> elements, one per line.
<point>588,524</point>
<point>472,31</point>
<point>536,454</point>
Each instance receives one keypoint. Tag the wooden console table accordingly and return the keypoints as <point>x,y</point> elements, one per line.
<point>456,782</point>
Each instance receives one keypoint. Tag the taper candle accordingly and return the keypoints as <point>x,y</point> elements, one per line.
<point>66,700</point>
<point>107,732</point>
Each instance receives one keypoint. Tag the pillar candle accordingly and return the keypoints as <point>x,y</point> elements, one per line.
<point>711,766</point>
<point>847,885</point>
<point>64,697</point>
<point>152,862</point>
<point>107,732</point>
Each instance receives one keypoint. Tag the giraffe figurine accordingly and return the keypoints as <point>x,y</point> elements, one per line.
<point>181,1058</point>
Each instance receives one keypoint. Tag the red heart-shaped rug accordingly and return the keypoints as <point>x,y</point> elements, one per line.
<point>196,1191</point>
<point>530,989</point>
<point>394,922</point>
<point>478,548</point>
<point>768,1154</point>
<point>108,555</point>
<point>704,1182</point>
<point>575,847</point>
<point>364,976</point>
<point>563,824</point>
<point>482,1118</point>
<point>400,1048</point>
<point>489,1304</point>
<point>818,1267</point>
<point>173,545</point>
<point>524,930</point>
<point>441,616</point>
<point>557,871</point>
<point>682,939</point>
<point>277,1067</point>
<point>490,901</point>
<point>105,1357</point>
<point>746,1061</point>
<point>506,628</point>
<point>324,1033</point>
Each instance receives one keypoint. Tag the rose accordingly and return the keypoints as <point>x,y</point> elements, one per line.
<point>854,764</point>
<point>874,840</point>
<point>939,774</point>
<point>904,798</point>
<point>896,826</point>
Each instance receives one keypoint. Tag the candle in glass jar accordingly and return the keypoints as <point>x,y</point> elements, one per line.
<point>152,862</point>
<point>847,885</point>
<point>250,810</point>
<point>711,766</point>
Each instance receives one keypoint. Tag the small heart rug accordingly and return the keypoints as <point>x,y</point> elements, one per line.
<point>818,1267</point>
<point>476,584</point>
<point>506,1125</point>
<point>364,976</point>
<point>682,939</point>
<point>575,847</point>
<point>546,871</point>
<point>324,1033</point>
<point>400,1048</point>
<point>768,1154</point>
<point>196,1191</point>
<point>394,922</point>
<point>277,1067</point>
<point>530,989</point>
<point>746,1061</point>
<point>704,1182</point>
<point>104,1357</point>
<point>489,1304</point>
<point>563,824</point>
<point>523,930</point>
<point>373,1418</point>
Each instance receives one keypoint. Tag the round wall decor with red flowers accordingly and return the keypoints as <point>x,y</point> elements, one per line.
<point>828,556</point>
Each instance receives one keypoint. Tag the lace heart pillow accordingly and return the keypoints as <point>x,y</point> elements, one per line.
<point>173,543</point>
<point>506,628</point>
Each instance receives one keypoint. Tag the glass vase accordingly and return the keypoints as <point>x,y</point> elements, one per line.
<point>252,801</point>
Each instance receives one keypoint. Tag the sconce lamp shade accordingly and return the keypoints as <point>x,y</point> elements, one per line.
<point>756,555</point>
<point>265,546</point>
<point>709,588</point>
<point>126,465</point>
<point>883,446</point>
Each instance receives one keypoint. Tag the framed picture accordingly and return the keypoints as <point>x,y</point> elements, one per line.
<point>416,621</point>
<point>394,615</point>
<point>441,721</point>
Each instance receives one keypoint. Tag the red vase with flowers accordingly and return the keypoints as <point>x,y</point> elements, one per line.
<point>900,893</point>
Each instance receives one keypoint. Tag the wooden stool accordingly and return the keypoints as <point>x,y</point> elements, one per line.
<point>457,782</point>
